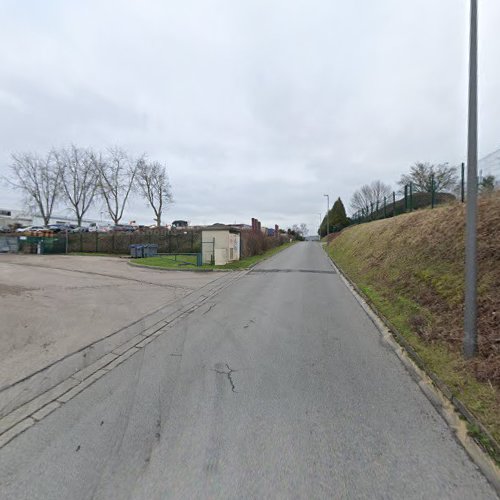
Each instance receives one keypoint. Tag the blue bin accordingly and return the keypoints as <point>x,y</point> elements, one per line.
<point>136,251</point>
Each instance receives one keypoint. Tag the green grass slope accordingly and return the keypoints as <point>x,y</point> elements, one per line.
<point>412,268</point>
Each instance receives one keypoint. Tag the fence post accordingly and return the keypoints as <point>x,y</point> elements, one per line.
<point>411,196</point>
<point>432,191</point>
<point>385,211</point>
<point>462,183</point>
<point>393,203</point>
<point>96,241</point>
<point>376,210</point>
<point>406,197</point>
<point>81,242</point>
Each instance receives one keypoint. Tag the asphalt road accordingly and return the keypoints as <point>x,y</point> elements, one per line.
<point>280,387</point>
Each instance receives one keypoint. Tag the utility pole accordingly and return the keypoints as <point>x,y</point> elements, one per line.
<point>327,216</point>
<point>470,315</point>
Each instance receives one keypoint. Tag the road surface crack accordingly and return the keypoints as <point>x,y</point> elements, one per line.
<point>229,376</point>
<point>209,309</point>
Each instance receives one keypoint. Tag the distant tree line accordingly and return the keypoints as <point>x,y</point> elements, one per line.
<point>79,178</point>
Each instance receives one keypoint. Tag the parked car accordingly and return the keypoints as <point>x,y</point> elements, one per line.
<point>57,228</point>
<point>30,228</point>
<point>123,228</point>
<point>79,229</point>
<point>97,227</point>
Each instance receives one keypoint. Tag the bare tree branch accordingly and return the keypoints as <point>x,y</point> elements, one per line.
<point>39,179</point>
<point>116,176</point>
<point>79,178</point>
<point>421,176</point>
<point>153,182</point>
<point>369,196</point>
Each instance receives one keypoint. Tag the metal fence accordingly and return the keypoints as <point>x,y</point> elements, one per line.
<point>390,207</point>
<point>42,244</point>
<point>9,244</point>
<point>119,242</point>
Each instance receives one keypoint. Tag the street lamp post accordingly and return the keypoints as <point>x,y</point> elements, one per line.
<point>327,218</point>
<point>470,312</point>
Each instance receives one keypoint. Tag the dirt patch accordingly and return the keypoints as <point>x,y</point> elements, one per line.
<point>13,289</point>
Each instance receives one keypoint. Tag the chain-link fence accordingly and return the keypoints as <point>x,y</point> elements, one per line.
<point>42,244</point>
<point>119,242</point>
<point>390,207</point>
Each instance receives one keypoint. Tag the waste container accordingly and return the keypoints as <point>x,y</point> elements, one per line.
<point>136,251</point>
<point>150,250</point>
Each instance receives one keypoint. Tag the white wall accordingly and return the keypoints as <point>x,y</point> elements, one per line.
<point>227,246</point>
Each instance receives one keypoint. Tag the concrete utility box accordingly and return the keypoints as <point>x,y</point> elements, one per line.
<point>220,244</point>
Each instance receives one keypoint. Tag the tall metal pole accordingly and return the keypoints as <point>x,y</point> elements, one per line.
<point>327,216</point>
<point>470,316</point>
<point>462,183</point>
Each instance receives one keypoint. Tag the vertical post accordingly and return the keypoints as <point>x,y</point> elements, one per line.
<point>411,196</point>
<point>327,216</point>
<point>462,184</point>
<point>96,241</point>
<point>432,191</point>
<point>81,241</point>
<point>406,197</point>
<point>66,240</point>
<point>470,315</point>
<point>385,210</point>
<point>393,203</point>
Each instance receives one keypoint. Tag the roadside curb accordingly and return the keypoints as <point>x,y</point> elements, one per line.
<point>451,409</point>
<point>190,270</point>
<point>31,399</point>
<point>195,270</point>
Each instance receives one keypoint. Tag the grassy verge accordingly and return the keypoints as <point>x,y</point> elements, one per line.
<point>189,261</point>
<point>411,269</point>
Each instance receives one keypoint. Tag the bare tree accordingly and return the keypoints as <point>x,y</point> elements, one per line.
<point>369,196</point>
<point>423,175</point>
<point>79,171</point>
<point>116,173</point>
<point>153,183</point>
<point>39,178</point>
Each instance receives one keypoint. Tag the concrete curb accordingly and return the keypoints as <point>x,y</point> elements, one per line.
<point>25,402</point>
<point>195,270</point>
<point>451,409</point>
<point>190,270</point>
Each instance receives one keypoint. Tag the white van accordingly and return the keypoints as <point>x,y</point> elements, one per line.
<point>98,227</point>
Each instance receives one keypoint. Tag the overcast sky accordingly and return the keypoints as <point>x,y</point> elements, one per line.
<point>258,107</point>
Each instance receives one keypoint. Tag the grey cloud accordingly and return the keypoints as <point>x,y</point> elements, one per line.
<point>257,107</point>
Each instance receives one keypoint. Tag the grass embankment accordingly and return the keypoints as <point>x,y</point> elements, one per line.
<point>188,262</point>
<point>412,269</point>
